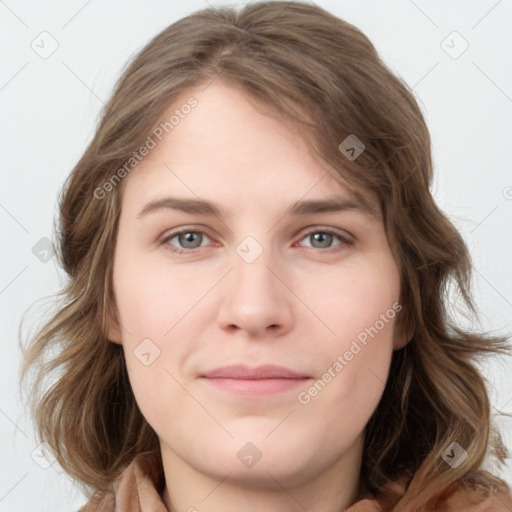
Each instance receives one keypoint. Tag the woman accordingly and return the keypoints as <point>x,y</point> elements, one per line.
<point>256,314</point>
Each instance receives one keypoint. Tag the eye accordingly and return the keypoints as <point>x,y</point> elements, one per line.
<point>324,238</point>
<point>184,240</point>
<point>188,240</point>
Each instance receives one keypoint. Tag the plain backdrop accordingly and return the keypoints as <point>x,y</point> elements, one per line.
<point>457,57</point>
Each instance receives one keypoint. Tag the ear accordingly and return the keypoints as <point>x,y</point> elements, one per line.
<point>403,335</point>
<point>114,330</point>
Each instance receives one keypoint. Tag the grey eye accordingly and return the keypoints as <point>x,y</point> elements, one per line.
<point>190,240</point>
<point>321,240</point>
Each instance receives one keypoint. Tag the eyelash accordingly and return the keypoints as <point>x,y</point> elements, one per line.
<point>344,241</point>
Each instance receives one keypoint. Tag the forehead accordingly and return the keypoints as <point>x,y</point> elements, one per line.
<point>231,147</point>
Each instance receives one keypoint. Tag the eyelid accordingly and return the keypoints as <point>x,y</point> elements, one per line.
<point>345,237</point>
<point>169,235</point>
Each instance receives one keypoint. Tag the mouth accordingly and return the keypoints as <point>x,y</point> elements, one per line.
<point>262,380</point>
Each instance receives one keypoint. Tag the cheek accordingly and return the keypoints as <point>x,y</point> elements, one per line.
<point>344,397</point>
<point>360,309</point>
<point>154,297</point>
<point>161,313</point>
<point>359,298</point>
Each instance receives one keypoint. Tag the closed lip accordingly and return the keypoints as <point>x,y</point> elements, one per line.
<point>240,371</point>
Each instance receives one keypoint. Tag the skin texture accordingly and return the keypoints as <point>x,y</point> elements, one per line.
<point>301,303</point>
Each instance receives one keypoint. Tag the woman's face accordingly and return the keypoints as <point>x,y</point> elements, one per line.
<point>229,254</point>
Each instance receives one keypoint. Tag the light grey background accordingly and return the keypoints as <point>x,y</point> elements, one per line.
<point>49,107</point>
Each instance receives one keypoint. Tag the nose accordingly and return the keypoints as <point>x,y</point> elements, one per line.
<point>255,299</point>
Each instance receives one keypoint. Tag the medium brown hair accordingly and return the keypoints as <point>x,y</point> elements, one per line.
<point>323,75</point>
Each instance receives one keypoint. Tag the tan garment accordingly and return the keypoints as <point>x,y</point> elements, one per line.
<point>140,485</point>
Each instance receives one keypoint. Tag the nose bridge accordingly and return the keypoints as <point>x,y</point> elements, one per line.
<point>255,298</point>
<point>251,266</point>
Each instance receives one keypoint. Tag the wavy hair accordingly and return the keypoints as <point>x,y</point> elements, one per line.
<point>324,76</point>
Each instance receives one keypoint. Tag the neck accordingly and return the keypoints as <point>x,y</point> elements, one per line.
<point>331,489</point>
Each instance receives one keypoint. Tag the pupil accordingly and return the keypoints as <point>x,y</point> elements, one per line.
<point>322,237</point>
<point>190,238</point>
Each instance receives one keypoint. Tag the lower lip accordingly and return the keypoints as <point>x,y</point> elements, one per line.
<point>255,386</point>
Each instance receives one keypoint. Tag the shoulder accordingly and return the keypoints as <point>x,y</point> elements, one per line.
<point>467,497</point>
<point>460,497</point>
<point>104,503</point>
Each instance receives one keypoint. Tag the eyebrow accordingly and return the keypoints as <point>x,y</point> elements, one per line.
<point>203,207</point>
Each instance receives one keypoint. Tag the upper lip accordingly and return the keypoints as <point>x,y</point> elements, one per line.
<point>240,371</point>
